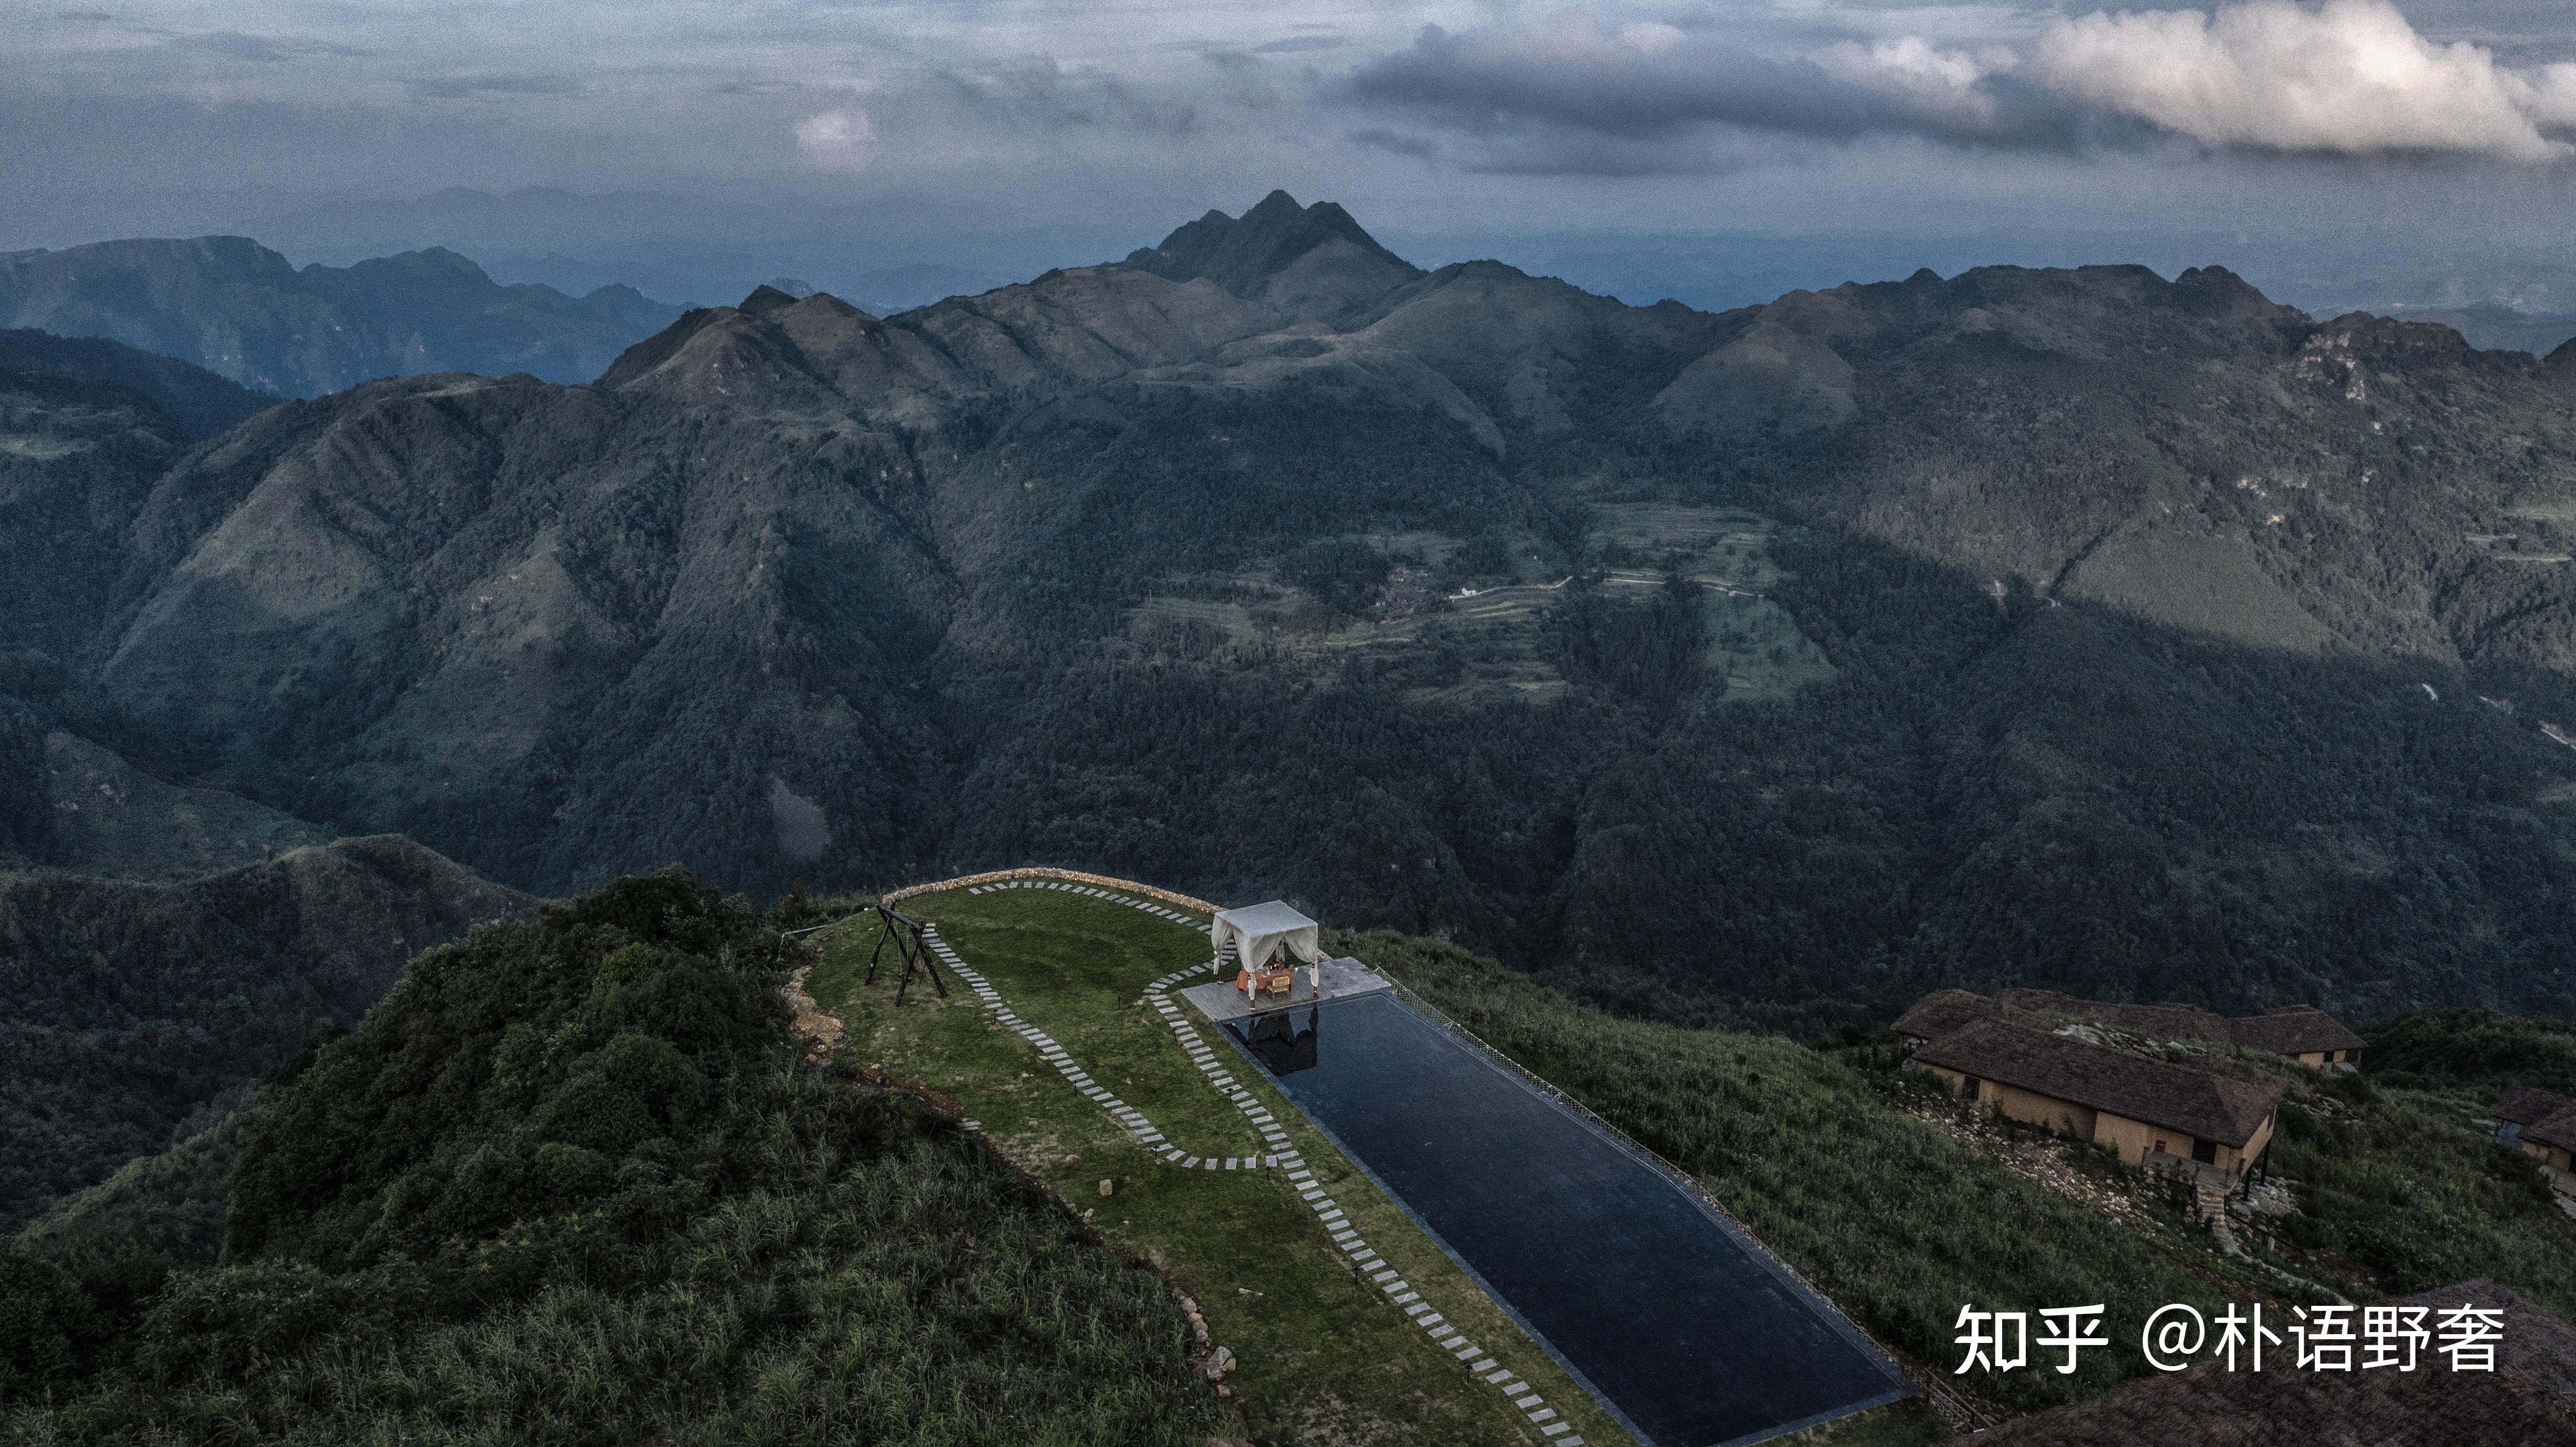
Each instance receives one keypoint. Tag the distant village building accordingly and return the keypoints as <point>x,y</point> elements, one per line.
<point>1944,1011</point>
<point>2542,1123</point>
<point>2301,1032</point>
<point>2148,1111</point>
<point>2304,1033</point>
<point>2523,1105</point>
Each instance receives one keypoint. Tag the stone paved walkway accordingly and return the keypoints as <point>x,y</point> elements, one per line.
<point>1278,1153</point>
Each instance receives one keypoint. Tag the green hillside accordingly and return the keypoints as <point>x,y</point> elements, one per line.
<point>569,1183</point>
<point>129,1011</point>
<point>1860,1178</point>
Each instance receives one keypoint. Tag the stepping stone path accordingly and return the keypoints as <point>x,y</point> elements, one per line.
<point>1279,1151</point>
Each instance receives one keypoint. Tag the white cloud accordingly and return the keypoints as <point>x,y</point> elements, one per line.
<point>1926,80</point>
<point>842,139</point>
<point>2351,77</point>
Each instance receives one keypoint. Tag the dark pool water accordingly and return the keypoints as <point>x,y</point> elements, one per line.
<point>1685,1328</point>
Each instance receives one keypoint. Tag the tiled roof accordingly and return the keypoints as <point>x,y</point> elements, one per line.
<point>2289,1030</point>
<point>2164,1020</point>
<point>2201,1103</point>
<point>2526,1105</point>
<point>1943,1011</point>
<point>2554,1130</point>
<point>2294,1030</point>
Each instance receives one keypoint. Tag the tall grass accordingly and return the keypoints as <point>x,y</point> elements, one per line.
<point>451,1231</point>
<point>2399,1193</point>
<point>1890,1218</point>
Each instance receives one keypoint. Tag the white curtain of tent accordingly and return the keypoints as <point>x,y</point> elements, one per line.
<point>1261,931</point>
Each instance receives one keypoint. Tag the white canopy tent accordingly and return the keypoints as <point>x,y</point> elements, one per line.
<point>1260,931</point>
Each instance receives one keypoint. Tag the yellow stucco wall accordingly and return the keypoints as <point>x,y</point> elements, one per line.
<point>2254,1144</point>
<point>2028,1107</point>
<point>2133,1140</point>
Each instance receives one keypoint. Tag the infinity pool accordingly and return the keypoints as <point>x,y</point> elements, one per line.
<point>1686,1330</point>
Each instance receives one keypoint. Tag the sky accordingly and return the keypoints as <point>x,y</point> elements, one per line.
<point>988,137</point>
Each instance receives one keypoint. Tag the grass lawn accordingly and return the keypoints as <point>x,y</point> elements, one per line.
<point>1323,1357</point>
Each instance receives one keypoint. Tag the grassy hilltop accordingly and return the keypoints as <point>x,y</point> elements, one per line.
<point>1324,1357</point>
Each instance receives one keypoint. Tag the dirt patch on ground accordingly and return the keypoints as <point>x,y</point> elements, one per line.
<point>2041,1159</point>
<point>821,1032</point>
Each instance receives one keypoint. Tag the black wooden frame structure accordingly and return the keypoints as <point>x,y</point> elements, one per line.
<point>914,951</point>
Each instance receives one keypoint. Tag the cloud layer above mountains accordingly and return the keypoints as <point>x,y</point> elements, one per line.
<point>2350,79</point>
<point>1073,109</point>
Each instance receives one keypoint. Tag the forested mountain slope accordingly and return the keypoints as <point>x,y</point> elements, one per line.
<point>201,402</point>
<point>572,1181</point>
<point>126,1007</point>
<point>2076,627</point>
<point>232,306</point>
<point>78,455</point>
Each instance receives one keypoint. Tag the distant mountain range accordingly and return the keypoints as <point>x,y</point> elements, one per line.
<point>238,309</point>
<point>2142,638</point>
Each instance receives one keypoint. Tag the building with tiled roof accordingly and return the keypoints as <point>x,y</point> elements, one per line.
<point>2522,1105</point>
<point>1943,1011</point>
<point>2143,1109</point>
<point>2301,1032</point>
<point>2551,1140</point>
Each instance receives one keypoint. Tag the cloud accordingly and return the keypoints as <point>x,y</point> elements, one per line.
<point>2345,78</point>
<point>839,140</point>
<point>1379,138</point>
<point>1652,81</point>
<point>1913,77</point>
<point>467,87</point>
<point>1042,94</point>
<point>259,49</point>
<point>2350,78</point>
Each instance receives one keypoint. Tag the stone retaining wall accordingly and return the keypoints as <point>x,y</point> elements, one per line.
<point>1073,876</point>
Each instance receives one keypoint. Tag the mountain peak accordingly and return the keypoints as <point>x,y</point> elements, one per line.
<point>1279,251</point>
<point>1277,206</point>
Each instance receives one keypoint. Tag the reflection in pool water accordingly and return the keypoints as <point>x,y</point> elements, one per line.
<point>1274,1040</point>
